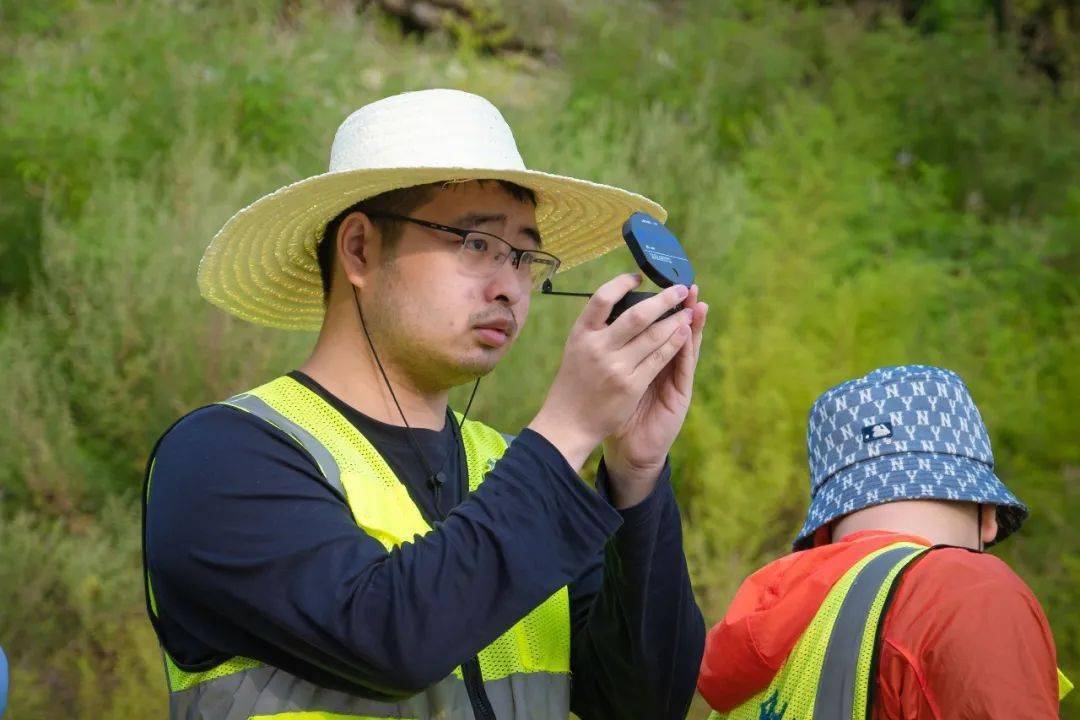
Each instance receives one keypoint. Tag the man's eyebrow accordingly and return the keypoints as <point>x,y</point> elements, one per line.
<point>475,219</point>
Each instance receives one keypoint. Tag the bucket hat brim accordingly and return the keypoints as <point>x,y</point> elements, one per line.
<point>911,476</point>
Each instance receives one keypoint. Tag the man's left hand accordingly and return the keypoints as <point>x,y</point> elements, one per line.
<point>636,453</point>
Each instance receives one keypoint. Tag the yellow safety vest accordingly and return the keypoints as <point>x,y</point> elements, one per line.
<point>829,674</point>
<point>525,672</point>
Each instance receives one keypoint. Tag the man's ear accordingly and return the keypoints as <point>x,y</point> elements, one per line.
<point>988,524</point>
<point>357,240</point>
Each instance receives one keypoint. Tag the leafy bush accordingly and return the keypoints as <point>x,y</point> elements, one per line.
<point>854,193</point>
<point>73,628</point>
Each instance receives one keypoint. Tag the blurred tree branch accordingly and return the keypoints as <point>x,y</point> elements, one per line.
<point>480,24</point>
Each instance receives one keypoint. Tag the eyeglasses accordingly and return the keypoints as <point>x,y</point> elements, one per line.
<point>483,254</point>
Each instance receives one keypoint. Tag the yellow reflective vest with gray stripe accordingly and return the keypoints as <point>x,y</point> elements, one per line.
<point>525,671</point>
<point>828,673</point>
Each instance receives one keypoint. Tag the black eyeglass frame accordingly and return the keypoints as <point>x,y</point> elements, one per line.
<point>515,254</point>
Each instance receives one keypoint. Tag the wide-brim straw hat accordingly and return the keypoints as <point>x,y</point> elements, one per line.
<point>261,266</point>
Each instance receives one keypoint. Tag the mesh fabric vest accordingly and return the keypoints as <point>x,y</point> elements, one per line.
<point>828,672</point>
<point>525,671</point>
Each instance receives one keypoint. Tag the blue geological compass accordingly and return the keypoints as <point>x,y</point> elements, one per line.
<point>659,255</point>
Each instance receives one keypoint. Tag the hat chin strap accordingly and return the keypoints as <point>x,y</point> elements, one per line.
<point>434,476</point>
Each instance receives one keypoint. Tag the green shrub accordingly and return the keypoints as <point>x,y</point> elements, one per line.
<point>853,193</point>
<point>73,628</point>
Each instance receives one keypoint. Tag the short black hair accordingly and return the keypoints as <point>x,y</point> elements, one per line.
<point>397,202</point>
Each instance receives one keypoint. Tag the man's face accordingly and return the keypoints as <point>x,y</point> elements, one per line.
<point>430,314</point>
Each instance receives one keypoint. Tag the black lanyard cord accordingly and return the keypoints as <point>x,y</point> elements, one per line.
<point>435,478</point>
<point>474,680</point>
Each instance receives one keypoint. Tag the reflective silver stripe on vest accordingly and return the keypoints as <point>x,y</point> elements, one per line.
<point>326,462</point>
<point>268,691</point>
<point>836,687</point>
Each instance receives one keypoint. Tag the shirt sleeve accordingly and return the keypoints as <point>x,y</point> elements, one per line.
<point>638,634</point>
<point>966,638</point>
<point>250,553</point>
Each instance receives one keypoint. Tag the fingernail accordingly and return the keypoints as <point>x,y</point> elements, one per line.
<point>682,292</point>
<point>688,312</point>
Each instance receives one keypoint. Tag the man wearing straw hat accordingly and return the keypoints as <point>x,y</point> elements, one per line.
<point>338,543</point>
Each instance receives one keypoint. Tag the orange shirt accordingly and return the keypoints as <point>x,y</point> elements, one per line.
<point>963,638</point>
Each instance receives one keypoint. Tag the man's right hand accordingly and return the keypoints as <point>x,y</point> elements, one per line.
<point>606,369</point>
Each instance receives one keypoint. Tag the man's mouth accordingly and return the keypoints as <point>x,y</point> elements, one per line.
<point>495,333</point>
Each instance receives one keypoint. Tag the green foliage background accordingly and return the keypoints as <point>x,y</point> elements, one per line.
<point>856,191</point>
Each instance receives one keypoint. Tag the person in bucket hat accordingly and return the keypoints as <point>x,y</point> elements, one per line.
<point>888,608</point>
<point>337,542</point>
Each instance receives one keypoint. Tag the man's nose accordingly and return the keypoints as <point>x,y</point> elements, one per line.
<point>506,284</point>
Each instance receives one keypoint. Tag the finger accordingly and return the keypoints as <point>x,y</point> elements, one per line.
<point>692,302</point>
<point>598,308</point>
<point>653,337</point>
<point>658,359</point>
<point>637,319</point>
<point>698,326</point>
<point>687,360</point>
<point>697,321</point>
<point>683,367</point>
<point>692,296</point>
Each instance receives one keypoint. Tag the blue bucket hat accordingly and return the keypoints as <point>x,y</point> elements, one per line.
<point>909,432</point>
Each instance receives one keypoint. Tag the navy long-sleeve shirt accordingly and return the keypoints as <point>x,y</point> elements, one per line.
<point>250,553</point>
